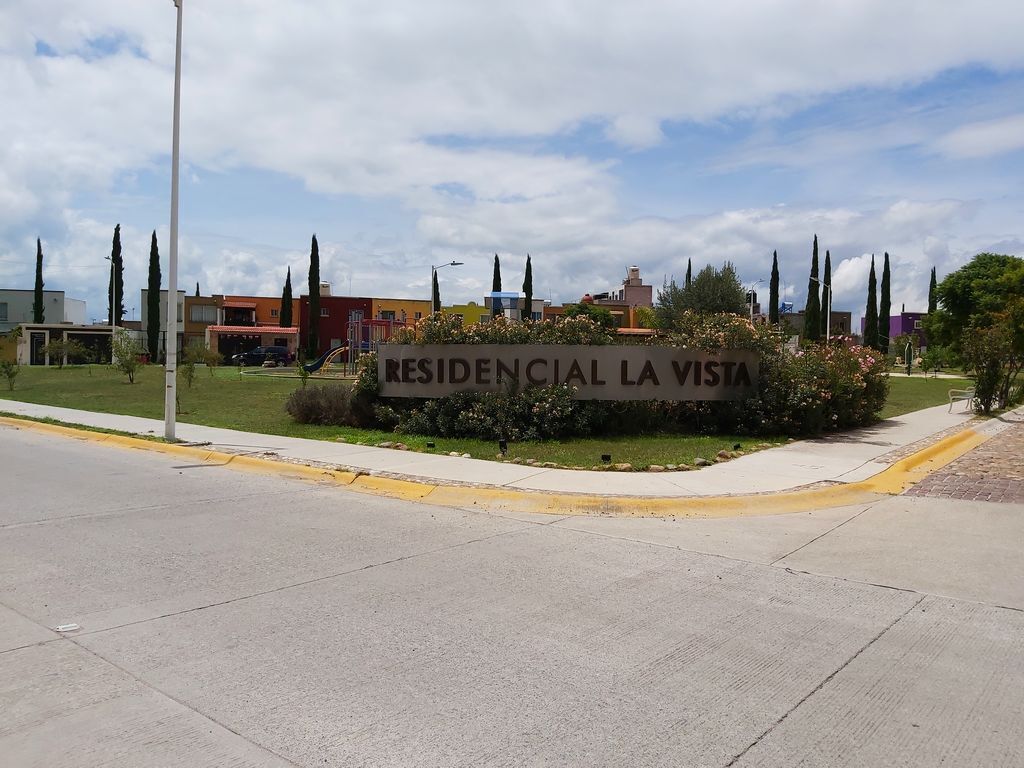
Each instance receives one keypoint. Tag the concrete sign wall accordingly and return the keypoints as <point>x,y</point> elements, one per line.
<point>599,373</point>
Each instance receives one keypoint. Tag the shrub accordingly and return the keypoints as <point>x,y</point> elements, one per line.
<point>330,404</point>
<point>70,349</point>
<point>9,370</point>
<point>125,353</point>
<point>821,387</point>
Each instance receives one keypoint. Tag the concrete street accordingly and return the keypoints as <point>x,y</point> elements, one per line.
<point>234,618</point>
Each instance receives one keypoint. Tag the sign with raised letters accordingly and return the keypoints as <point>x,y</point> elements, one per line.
<point>610,372</point>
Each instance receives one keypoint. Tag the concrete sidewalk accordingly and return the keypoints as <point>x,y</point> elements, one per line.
<point>848,457</point>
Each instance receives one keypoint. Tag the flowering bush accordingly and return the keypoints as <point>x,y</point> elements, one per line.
<point>820,388</point>
<point>443,328</point>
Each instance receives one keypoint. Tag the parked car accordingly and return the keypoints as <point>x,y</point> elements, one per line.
<point>263,356</point>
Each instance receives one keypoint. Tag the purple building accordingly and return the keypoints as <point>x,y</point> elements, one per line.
<point>905,324</point>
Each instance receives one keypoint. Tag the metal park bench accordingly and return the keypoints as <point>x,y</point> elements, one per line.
<point>956,395</point>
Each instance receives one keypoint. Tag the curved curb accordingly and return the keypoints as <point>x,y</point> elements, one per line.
<point>892,481</point>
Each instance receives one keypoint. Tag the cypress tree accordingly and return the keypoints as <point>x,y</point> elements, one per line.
<point>826,290</point>
<point>528,290</point>
<point>153,301</point>
<point>933,302</point>
<point>197,289</point>
<point>812,310</point>
<point>117,264</point>
<point>435,295</point>
<point>773,291</point>
<point>313,341</point>
<point>871,311</point>
<point>285,320</point>
<point>689,272</point>
<point>884,307</point>
<point>38,308</point>
<point>495,288</point>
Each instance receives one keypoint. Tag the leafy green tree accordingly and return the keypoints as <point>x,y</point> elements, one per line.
<point>712,291</point>
<point>528,290</point>
<point>38,308</point>
<point>65,350</point>
<point>826,289</point>
<point>773,291</point>
<point>285,319</point>
<point>598,314</point>
<point>668,305</point>
<point>496,287</point>
<point>981,319</point>
<point>884,309</point>
<point>871,311</point>
<point>153,302</point>
<point>812,310</point>
<point>933,301</point>
<point>435,294</point>
<point>645,317</point>
<point>313,341</point>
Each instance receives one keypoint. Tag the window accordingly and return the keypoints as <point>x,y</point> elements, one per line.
<point>917,325</point>
<point>3,311</point>
<point>202,313</point>
<point>387,314</point>
<point>325,312</point>
<point>418,315</point>
<point>274,313</point>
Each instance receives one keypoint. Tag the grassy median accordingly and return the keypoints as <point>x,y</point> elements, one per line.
<point>224,397</point>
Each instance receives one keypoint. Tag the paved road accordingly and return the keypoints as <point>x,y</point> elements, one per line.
<point>234,619</point>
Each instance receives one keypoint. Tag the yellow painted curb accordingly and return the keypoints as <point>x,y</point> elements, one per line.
<point>894,480</point>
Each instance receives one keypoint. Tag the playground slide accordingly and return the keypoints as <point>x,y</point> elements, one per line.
<point>325,358</point>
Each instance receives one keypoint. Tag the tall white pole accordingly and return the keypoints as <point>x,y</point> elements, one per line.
<point>171,337</point>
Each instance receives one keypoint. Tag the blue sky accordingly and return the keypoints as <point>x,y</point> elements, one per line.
<point>591,135</point>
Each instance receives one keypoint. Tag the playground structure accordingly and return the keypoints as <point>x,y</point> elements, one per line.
<point>364,336</point>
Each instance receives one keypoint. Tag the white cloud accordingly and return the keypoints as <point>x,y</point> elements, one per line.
<point>409,101</point>
<point>984,139</point>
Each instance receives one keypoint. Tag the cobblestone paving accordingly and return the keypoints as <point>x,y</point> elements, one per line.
<point>994,471</point>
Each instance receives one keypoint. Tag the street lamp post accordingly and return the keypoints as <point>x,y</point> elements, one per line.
<point>750,295</point>
<point>171,343</point>
<point>433,275</point>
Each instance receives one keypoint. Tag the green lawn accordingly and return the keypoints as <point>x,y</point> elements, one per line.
<point>255,404</point>
<point>912,393</point>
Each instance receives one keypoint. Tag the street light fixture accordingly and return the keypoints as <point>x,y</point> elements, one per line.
<point>433,274</point>
<point>171,338</point>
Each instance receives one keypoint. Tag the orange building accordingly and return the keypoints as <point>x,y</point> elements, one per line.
<point>257,310</point>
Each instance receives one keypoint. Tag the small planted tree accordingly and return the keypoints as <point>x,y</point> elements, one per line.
<point>65,350</point>
<point>9,370</point>
<point>125,352</point>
